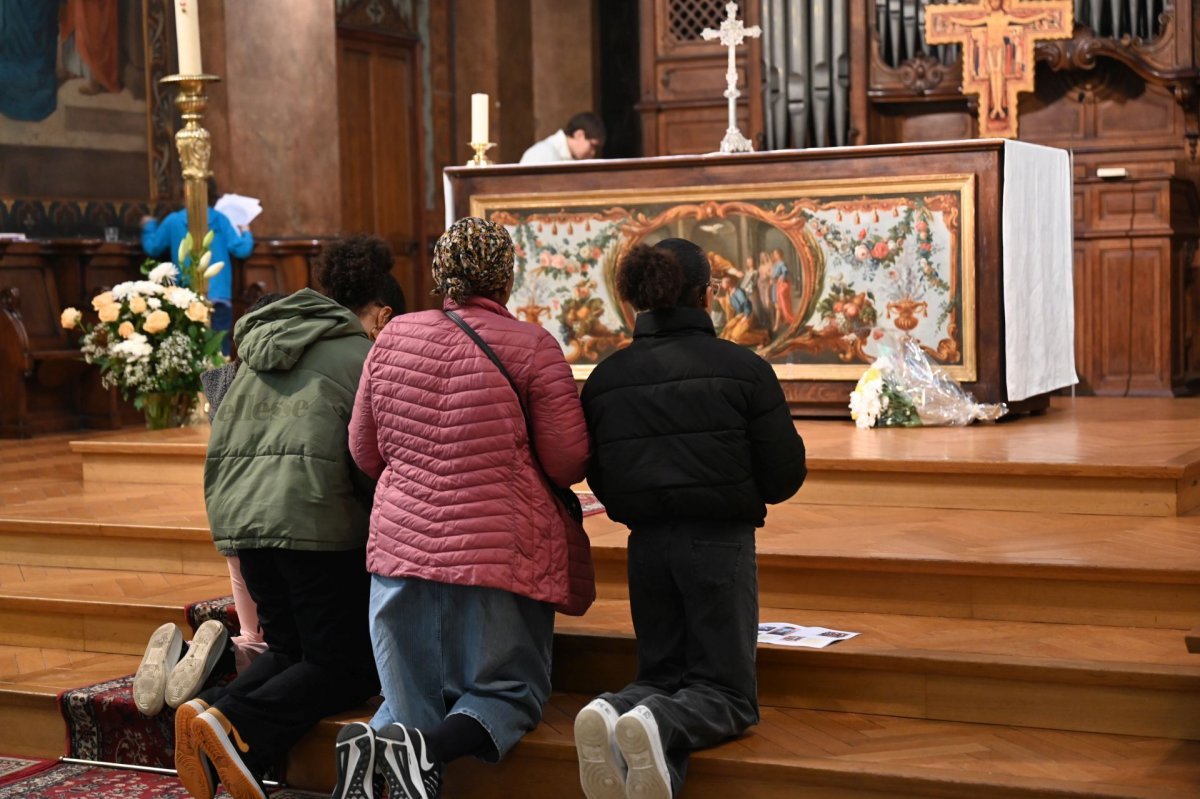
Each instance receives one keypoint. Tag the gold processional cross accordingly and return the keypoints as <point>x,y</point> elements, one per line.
<point>998,39</point>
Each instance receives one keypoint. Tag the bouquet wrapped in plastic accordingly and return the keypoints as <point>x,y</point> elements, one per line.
<point>903,388</point>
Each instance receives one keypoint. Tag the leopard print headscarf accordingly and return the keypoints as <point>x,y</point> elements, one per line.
<point>474,257</point>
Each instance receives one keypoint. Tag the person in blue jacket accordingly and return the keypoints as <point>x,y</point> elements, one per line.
<point>163,238</point>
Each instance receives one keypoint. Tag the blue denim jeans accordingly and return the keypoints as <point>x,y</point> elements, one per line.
<point>444,649</point>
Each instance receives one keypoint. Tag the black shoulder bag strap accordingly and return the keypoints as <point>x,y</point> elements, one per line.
<point>565,495</point>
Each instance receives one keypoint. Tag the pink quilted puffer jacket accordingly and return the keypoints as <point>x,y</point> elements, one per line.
<point>459,499</point>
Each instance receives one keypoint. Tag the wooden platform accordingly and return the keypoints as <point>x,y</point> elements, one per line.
<point>1082,456</point>
<point>1005,652</point>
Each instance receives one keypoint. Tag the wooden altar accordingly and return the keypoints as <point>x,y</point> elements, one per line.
<point>825,251</point>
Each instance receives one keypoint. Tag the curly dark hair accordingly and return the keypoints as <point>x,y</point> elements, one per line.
<point>356,271</point>
<point>672,273</point>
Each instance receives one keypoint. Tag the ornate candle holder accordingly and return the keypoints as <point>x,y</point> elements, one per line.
<point>480,148</point>
<point>195,148</point>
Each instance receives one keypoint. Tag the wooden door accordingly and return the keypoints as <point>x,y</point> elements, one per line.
<point>380,133</point>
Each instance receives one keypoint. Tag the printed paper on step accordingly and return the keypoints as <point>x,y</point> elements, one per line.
<point>787,634</point>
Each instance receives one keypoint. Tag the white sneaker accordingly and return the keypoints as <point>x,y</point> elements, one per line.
<point>601,767</point>
<point>190,673</point>
<point>641,746</point>
<point>150,681</point>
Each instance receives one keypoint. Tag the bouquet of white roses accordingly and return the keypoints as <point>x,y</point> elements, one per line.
<point>152,341</point>
<point>904,388</point>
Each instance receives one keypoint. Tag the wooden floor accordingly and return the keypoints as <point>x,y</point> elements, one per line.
<point>1007,649</point>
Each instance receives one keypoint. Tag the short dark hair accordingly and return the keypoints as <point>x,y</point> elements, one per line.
<point>591,125</point>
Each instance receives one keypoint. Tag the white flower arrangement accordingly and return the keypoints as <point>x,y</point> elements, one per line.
<point>153,338</point>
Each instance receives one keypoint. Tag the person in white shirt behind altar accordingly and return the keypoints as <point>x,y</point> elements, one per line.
<point>581,138</point>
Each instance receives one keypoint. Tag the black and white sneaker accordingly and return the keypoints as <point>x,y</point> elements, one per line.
<point>355,762</point>
<point>403,759</point>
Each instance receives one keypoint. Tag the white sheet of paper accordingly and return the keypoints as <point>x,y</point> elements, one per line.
<point>788,634</point>
<point>240,210</point>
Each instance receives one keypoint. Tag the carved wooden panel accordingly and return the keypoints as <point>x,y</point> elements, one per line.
<point>1134,344</point>
<point>391,17</point>
<point>688,131</point>
<point>692,80</point>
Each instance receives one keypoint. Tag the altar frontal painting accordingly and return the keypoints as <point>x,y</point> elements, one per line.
<point>810,276</point>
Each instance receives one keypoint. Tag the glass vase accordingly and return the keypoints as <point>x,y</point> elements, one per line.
<point>164,410</point>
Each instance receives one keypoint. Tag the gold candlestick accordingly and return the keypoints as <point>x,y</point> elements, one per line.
<point>480,148</point>
<point>195,148</point>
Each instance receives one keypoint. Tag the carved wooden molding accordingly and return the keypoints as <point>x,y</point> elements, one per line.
<point>1081,51</point>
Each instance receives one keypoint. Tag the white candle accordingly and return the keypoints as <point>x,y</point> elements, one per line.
<point>479,118</point>
<point>187,36</point>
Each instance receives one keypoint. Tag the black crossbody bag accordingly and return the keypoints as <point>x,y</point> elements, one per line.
<point>564,495</point>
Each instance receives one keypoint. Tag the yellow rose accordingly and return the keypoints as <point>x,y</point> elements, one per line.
<point>126,329</point>
<point>110,312</point>
<point>157,322</point>
<point>70,317</point>
<point>137,304</point>
<point>102,300</point>
<point>198,312</point>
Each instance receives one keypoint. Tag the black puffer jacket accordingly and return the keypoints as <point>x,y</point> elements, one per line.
<point>687,426</point>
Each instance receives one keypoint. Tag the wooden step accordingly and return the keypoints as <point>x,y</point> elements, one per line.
<point>1128,457</point>
<point>793,752</point>
<point>965,564</point>
<point>833,755</point>
<point>95,610</point>
<point>135,527</point>
<point>1086,455</point>
<point>154,457</point>
<point>1053,676</point>
<point>31,678</point>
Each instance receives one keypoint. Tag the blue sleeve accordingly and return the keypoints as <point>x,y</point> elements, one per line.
<point>239,245</point>
<point>156,239</point>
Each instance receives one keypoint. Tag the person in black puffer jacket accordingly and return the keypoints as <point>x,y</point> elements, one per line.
<point>692,438</point>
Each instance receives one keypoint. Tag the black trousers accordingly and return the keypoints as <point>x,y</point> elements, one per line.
<point>693,591</point>
<point>312,607</point>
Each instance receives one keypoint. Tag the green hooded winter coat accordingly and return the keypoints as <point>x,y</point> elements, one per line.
<point>278,473</point>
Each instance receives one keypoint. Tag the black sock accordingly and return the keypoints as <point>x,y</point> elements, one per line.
<point>457,736</point>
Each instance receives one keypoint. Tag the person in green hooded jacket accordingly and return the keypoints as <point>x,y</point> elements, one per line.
<point>284,495</point>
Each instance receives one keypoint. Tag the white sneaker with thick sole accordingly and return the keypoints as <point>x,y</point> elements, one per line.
<point>189,674</point>
<point>601,767</point>
<point>150,681</point>
<point>641,746</point>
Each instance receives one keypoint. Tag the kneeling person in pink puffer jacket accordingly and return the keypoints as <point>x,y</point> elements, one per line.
<point>468,547</point>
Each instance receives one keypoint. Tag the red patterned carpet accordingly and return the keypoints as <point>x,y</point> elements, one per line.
<point>67,781</point>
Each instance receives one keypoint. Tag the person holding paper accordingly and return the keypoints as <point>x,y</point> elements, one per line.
<point>161,239</point>
<point>581,138</point>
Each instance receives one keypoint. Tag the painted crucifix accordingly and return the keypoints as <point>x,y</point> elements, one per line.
<point>998,39</point>
<point>732,33</point>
